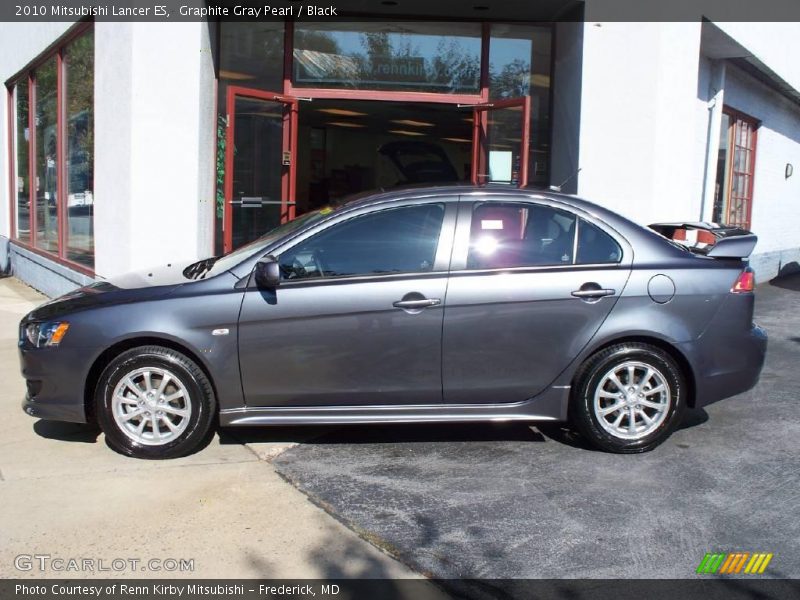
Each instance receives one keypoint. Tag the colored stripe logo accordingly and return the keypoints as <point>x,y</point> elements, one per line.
<point>734,563</point>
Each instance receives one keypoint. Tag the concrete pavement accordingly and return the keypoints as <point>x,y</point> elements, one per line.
<point>65,494</point>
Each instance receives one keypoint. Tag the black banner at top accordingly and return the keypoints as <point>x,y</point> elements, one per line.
<point>449,10</point>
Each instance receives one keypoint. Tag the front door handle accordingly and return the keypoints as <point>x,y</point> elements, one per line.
<point>421,303</point>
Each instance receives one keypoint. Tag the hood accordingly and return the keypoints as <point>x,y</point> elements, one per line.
<point>136,286</point>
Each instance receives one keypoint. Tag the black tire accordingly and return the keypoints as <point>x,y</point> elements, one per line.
<point>592,375</point>
<point>203,405</point>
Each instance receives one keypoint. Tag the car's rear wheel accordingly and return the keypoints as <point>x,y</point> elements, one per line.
<point>153,402</point>
<point>628,398</point>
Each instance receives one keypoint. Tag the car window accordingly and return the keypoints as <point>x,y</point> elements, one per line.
<point>399,240</point>
<point>595,246</point>
<point>520,235</point>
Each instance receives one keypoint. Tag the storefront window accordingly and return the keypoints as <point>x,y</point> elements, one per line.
<point>55,190</point>
<point>46,182</point>
<point>252,55</point>
<point>414,57</point>
<point>79,102</point>
<point>519,65</point>
<point>22,142</point>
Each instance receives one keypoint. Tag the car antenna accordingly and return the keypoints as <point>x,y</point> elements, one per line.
<point>557,188</point>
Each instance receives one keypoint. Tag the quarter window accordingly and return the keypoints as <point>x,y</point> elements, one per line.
<point>595,246</point>
<point>520,235</point>
<point>401,240</point>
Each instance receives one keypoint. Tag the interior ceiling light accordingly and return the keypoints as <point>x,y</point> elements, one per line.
<point>412,123</point>
<point>345,124</point>
<point>459,140</point>
<point>342,112</point>
<point>404,132</point>
<point>234,75</point>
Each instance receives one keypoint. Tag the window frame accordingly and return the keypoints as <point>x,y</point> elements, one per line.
<point>753,124</point>
<point>441,255</point>
<point>28,75</point>
<point>467,207</point>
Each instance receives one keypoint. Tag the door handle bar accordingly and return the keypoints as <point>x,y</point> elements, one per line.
<point>593,293</point>
<point>423,303</point>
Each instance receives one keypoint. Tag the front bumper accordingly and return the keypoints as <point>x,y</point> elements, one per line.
<point>55,380</point>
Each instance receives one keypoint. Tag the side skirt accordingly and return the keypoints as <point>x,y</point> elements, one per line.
<point>550,405</point>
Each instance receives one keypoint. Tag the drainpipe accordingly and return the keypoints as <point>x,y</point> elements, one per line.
<point>716,90</point>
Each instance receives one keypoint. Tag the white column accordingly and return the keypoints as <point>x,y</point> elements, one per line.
<point>154,148</point>
<point>716,94</point>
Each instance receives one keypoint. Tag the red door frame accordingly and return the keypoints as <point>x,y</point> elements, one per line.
<point>288,176</point>
<point>480,125</point>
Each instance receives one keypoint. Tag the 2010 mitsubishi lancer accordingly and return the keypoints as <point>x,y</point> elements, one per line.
<point>438,304</point>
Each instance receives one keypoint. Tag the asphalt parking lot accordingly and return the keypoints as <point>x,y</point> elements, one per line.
<point>513,501</point>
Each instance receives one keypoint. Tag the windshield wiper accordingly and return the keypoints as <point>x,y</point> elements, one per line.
<point>195,270</point>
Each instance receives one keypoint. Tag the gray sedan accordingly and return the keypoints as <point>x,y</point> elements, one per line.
<point>424,305</point>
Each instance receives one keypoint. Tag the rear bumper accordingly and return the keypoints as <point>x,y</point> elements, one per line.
<point>728,366</point>
<point>54,379</point>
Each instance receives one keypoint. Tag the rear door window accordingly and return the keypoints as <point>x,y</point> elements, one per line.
<point>505,235</point>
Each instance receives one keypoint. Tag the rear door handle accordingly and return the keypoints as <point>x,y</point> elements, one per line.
<point>422,303</point>
<point>593,293</point>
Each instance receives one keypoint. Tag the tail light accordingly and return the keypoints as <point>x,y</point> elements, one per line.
<point>746,282</point>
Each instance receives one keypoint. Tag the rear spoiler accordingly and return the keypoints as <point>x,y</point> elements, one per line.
<point>709,239</point>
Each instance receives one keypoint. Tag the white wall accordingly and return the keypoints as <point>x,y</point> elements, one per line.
<point>776,199</point>
<point>154,169</point>
<point>639,119</point>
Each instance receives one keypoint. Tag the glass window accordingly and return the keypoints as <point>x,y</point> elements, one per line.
<point>251,54</point>
<point>79,72</point>
<point>520,235</point>
<point>418,56</point>
<point>54,158</point>
<point>735,168</point>
<point>595,246</point>
<point>22,143</point>
<point>46,181</point>
<point>519,65</point>
<point>400,240</point>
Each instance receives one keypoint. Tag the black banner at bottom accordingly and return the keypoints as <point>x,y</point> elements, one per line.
<point>400,589</point>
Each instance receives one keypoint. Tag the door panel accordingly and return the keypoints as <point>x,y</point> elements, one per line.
<point>343,344</point>
<point>358,317</point>
<point>501,142</point>
<point>507,336</point>
<point>259,172</point>
<point>531,285</point>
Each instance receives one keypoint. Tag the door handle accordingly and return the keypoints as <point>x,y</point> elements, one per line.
<point>593,293</point>
<point>422,303</point>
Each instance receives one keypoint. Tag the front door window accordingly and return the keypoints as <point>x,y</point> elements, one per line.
<point>401,240</point>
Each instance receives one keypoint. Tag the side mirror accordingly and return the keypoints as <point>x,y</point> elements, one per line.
<point>268,272</point>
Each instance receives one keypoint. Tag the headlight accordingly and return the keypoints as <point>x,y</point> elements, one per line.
<point>46,334</point>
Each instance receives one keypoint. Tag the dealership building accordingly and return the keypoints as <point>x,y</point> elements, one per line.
<point>132,144</point>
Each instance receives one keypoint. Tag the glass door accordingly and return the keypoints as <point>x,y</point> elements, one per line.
<point>259,164</point>
<point>500,142</point>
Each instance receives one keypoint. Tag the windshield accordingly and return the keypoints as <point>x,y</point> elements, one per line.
<point>207,267</point>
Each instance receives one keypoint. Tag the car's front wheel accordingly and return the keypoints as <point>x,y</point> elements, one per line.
<point>628,398</point>
<point>153,402</point>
